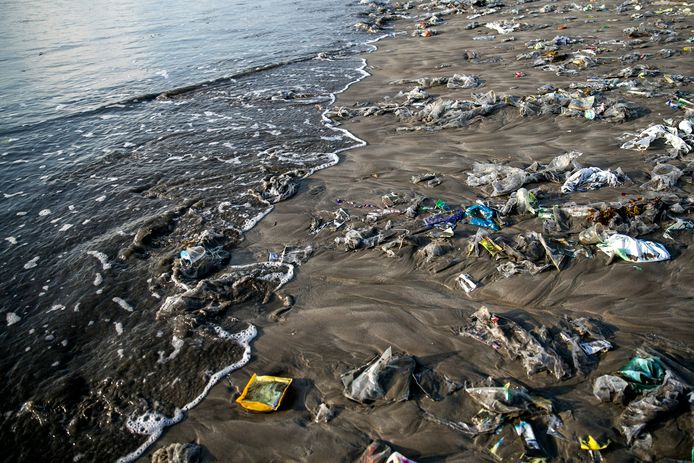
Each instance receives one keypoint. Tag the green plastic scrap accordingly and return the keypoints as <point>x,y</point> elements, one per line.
<point>643,373</point>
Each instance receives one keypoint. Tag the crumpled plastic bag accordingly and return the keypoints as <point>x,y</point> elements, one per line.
<point>658,402</point>
<point>590,178</point>
<point>464,81</point>
<point>633,250</point>
<point>610,388</point>
<point>503,179</point>
<point>643,373</point>
<point>514,342</point>
<point>663,177</point>
<point>385,379</point>
<point>643,140</point>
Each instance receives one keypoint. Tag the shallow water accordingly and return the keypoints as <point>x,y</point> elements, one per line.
<point>130,132</point>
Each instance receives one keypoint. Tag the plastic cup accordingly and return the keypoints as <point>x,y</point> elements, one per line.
<point>592,235</point>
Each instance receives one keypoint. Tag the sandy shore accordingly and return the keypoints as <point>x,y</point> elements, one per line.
<point>350,306</point>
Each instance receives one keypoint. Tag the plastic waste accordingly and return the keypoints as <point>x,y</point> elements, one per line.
<point>376,452</point>
<point>643,140</point>
<point>593,447</point>
<point>610,388</point>
<point>594,347</point>
<point>525,430</point>
<point>633,250</point>
<point>324,414</point>
<point>643,373</point>
<point>679,225</point>
<point>503,179</point>
<point>465,281</point>
<point>494,450</point>
<point>514,342</point>
<point>663,177</point>
<point>464,81</point>
<point>386,378</point>
<point>482,216</point>
<point>527,202</point>
<point>660,401</point>
<point>592,235</point>
<point>192,255</point>
<point>510,401</point>
<point>590,178</point>
<point>263,393</point>
<point>434,385</point>
<point>554,425</point>
<point>444,218</point>
<point>397,457</point>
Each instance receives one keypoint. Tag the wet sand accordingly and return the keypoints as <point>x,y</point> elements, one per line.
<point>350,306</point>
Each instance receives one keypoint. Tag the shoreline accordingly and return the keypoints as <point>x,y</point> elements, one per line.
<point>350,306</point>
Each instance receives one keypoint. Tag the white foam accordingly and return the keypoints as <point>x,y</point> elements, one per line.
<point>56,307</point>
<point>44,212</point>
<point>153,424</point>
<point>11,239</point>
<point>119,327</point>
<point>12,318</point>
<point>177,344</point>
<point>124,305</point>
<point>250,223</point>
<point>103,258</point>
<point>32,263</point>
<point>98,279</point>
<point>100,199</point>
<point>65,227</point>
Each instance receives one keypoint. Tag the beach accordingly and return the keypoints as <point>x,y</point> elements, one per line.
<point>350,306</point>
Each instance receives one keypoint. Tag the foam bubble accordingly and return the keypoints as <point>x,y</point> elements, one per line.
<point>98,279</point>
<point>44,212</point>
<point>12,318</point>
<point>65,227</point>
<point>124,305</point>
<point>32,263</point>
<point>100,199</point>
<point>103,258</point>
<point>119,327</point>
<point>11,239</point>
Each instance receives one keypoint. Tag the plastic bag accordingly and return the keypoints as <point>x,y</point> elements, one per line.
<point>663,177</point>
<point>386,378</point>
<point>633,250</point>
<point>482,216</point>
<point>590,178</point>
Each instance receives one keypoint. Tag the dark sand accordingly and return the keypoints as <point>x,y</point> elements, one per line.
<point>351,306</point>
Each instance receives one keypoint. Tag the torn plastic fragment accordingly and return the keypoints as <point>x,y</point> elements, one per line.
<point>263,393</point>
<point>643,373</point>
<point>525,430</point>
<point>465,282</point>
<point>482,216</point>
<point>593,347</point>
<point>609,388</point>
<point>386,378</point>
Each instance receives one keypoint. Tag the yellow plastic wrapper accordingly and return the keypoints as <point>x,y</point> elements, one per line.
<point>590,443</point>
<point>263,393</point>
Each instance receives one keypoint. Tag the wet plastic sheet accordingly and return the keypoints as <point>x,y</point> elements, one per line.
<point>386,379</point>
<point>634,250</point>
<point>503,179</point>
<point>639,413</point>
<point>514,342</point>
